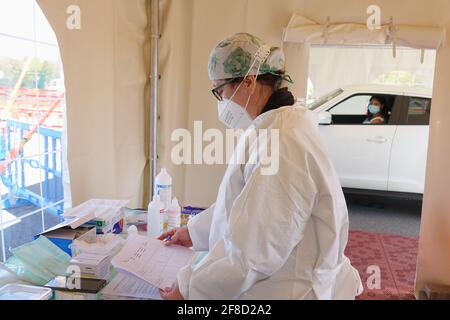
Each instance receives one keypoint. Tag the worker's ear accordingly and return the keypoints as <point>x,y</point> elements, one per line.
<point>250,83</point>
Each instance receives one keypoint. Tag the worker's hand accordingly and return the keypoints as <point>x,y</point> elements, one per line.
<point>179,236</point>
<point>171,293</point>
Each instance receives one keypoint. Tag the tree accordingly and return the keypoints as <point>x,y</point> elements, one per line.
<point>400,78</point>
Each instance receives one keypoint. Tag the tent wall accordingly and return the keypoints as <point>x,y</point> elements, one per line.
<point>105,76</point>
<point>434,247</point>
<point>176,70</point>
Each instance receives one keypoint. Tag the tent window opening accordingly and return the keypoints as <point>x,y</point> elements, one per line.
<point>333,67</point>
<point>33,171</point>
<point>343,54</point>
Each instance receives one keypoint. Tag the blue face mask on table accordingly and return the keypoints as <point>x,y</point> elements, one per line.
<point>38,262</point>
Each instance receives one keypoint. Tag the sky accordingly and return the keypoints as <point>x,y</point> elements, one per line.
<point>17,19</point>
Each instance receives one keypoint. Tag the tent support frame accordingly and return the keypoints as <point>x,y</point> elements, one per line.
<point>154,97</point>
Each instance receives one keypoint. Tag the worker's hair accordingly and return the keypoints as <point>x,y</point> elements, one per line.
<point>280,97</point>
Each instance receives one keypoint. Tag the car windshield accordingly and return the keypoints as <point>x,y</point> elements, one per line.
<point>316,104</point>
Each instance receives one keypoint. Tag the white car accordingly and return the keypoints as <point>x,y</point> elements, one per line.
<point>389,157</point>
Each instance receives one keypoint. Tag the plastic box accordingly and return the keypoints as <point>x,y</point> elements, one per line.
<point>187,213</point>
<point>23,292</point>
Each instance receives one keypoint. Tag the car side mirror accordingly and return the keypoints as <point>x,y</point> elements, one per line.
<point>325,118</point>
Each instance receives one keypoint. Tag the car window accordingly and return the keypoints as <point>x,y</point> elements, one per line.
<point>356,105</point>
<point>354,110</point>
<point>419,110</point>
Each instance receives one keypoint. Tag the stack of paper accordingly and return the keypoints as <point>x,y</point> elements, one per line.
<point>93,265</point>
<point>126,287</point>
<point>152,261</point>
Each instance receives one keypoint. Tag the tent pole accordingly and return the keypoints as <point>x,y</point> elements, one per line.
<point>154,94</point>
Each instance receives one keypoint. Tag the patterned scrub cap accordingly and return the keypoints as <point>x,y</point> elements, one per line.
<point>233,57</point>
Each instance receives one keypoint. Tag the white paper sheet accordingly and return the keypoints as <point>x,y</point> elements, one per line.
<point>150,260</point>
<point>125,286</point>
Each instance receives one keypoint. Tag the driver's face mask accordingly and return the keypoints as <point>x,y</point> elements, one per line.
<point>373,109</point>
<point>232,114</point>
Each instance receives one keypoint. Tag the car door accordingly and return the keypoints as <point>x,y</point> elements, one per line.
<point>360,152</point>
<point>410,147</point>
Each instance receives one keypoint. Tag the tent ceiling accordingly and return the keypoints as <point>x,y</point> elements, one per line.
<point>306,31</point>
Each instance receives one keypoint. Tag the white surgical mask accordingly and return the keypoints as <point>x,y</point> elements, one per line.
<point>233,115</point>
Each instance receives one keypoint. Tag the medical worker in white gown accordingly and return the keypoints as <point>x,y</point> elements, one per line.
<point>274,232</point>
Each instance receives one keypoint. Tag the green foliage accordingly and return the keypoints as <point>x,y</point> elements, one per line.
<point>39,74</point>
<point>399,78</point>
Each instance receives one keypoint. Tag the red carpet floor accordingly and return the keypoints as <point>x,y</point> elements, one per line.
<point>396,257</point>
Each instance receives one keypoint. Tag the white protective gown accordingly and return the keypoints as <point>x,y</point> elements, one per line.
<point>276,236</point>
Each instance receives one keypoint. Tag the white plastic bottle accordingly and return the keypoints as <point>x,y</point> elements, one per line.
<point>163,188</point>
<point>174,215</point>
<point>155,217</point>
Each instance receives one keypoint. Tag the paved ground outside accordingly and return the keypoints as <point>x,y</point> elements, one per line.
<point>388,216</point>
<point>24,231</point>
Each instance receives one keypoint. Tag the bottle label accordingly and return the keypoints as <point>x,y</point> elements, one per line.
<point>164,222</point>
<point>163,186</point>
<point>165,194</point>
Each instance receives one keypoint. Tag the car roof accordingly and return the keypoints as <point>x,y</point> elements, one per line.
<point>379,88</point>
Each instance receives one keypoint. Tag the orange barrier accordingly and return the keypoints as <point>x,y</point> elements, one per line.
<point>13,153</point>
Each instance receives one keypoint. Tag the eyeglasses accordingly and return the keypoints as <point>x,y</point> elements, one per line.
<point>216,91</point>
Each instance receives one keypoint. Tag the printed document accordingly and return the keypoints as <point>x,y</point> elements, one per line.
<point>152,261</point>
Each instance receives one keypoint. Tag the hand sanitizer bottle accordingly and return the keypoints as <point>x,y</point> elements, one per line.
<point>174,216</point>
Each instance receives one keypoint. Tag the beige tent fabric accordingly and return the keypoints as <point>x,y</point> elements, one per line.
<point>297,63</point>
<point>304,30</point>
<point>105,76</point>
<point>434,246</point>
<point>175,68</point>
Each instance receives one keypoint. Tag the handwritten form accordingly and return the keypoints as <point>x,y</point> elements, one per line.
<point>150,260</point>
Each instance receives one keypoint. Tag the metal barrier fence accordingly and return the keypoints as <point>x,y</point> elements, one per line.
<point>49,190</point>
